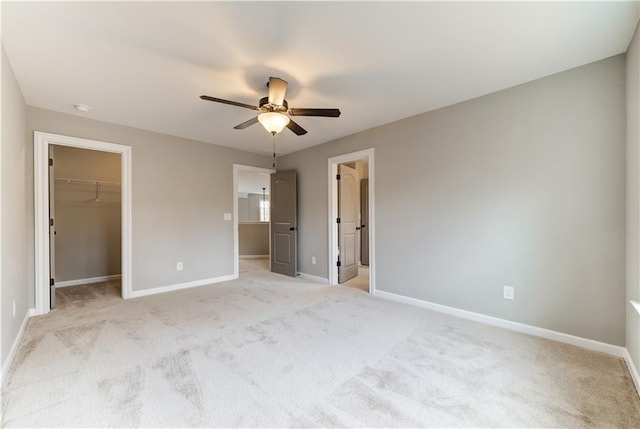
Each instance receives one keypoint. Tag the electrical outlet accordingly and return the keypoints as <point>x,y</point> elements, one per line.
<point>14,308</point>
<point>313,260</point>
<point>179,266</point>
<point>508,292</point>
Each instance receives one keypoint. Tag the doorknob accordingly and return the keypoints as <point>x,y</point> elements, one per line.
<point>363,226</point>
<point>292,228</point>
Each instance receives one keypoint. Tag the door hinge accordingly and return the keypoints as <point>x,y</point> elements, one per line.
<point>50,222</point>
<point>338,220</point>
<point>51,282</point>
<point>338,177</point>
<point>339,264</point>
<point>50,162</point>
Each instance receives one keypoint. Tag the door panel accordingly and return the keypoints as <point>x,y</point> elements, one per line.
<point>52,230</point>
<point>283,249</point>
<point>348,201</point>
<point>364,231</point>
<point>284,223</point>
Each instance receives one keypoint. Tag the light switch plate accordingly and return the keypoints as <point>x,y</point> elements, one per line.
<point>508,292</point>
<point>227,216</point>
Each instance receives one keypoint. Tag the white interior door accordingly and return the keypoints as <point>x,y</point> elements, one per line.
<point>52,229</point>
<point>348,204</point>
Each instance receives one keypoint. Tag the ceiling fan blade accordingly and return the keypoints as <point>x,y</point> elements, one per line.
<point>329,113</point>
<point>233,103</point>
<point>246,124</point>
<point>297,129</point>
<point>277,90</point>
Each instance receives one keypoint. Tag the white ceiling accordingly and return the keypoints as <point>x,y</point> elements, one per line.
<point>145,64</point>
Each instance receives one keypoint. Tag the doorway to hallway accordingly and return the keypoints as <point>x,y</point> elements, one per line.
<point>351,233</point>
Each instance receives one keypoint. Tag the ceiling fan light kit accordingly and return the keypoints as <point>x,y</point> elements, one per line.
<point>273,122</point>
<point>275,110</point>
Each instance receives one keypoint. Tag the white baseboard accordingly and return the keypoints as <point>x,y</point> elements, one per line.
<point>16,342</point>
<point>313,278</point>
<point>179,286</point>
<point>507,324</point>
<point>632,369</point>
<point>254,256</point>
<point>90,280</point>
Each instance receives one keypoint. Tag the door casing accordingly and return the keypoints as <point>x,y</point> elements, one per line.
<point>362,155</point>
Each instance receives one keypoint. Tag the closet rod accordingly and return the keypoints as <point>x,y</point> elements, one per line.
<point>85,182</point>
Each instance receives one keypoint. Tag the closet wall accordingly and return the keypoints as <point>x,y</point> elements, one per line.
<point>87,213</point>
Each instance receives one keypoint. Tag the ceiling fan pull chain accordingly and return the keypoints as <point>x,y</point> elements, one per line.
<point>273,138</point>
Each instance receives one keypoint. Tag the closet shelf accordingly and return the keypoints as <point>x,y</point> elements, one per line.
<point>85,182</point>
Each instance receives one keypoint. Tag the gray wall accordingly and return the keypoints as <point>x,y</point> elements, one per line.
<point>633,195</point>
<point>253,238</point>
<point>181,189</point>
<point>362,167</point>
<point>88,232</point>
<point>243,209</point>
<point>15,280</point>
<point>523,187</point>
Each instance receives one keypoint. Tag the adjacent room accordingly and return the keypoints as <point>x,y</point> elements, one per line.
<point>320,214</point>
<point>253,189</point>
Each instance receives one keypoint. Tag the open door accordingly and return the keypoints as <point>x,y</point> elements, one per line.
<point>284,223</point>
<point>348,201</point>
<point>52,231</point>
<point>364,220</point>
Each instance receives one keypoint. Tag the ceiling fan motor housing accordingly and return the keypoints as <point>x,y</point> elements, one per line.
<point>265,106</point>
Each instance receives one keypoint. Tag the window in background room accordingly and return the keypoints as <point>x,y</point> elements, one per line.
<point>264,210</point>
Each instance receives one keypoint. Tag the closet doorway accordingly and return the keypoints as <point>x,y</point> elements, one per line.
<point>252,190</point>
<point>79,190</point>
<point>85,203</point>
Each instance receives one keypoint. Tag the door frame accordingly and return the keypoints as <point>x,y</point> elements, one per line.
<point>42,141</point>
<point>362,155</point>
<point>236,247</point>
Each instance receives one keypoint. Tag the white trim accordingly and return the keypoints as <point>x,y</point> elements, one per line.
<point>254,256</point>
<point>507,324</point>
<point>236,246</point>
<point>180,286</point>
<point>313,278</point>
<point>41,209</point>
<point>368,155</point>
<point>14,347</point>
<point>636,305</point>
<point>87,281</point>
<point>632,369</point>
<point>635,376</point>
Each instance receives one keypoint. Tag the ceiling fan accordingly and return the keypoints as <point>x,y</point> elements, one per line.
<point>275,112</point>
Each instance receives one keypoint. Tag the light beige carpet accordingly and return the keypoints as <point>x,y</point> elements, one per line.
<point>271,351</point>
